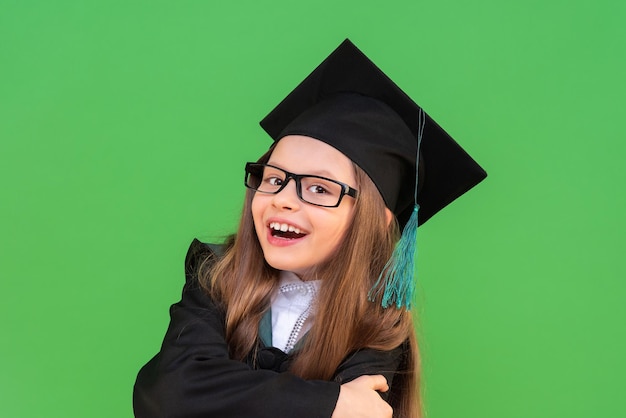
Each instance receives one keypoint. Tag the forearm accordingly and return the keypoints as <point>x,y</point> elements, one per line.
<point>193,376</point>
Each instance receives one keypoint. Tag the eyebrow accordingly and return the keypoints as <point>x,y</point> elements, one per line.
<point>321,173</point>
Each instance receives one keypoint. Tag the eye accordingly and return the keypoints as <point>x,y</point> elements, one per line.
<point>273,180</point>
<point>318,189</point>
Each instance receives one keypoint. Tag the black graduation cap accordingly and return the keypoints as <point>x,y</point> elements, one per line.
<point>349,103</point>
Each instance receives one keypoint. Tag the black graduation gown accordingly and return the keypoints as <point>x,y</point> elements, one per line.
<point>192,375</point>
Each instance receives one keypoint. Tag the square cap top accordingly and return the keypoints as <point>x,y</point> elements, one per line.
<point>349,103</point>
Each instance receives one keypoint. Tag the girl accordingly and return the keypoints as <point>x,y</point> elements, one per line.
<point>304,312</point>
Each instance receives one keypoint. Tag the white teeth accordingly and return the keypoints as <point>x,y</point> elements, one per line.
<point>277,226</point>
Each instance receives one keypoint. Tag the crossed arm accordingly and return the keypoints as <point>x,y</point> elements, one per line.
<point>193,376</point>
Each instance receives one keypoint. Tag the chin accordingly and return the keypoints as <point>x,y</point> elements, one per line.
<point>282,263</point>
<point>283,260</point>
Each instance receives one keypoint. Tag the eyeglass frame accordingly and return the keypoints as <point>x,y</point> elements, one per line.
<point>345,189</point>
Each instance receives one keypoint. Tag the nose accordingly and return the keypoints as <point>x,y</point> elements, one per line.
<point>287,198</point>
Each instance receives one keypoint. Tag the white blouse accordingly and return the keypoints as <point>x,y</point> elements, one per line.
<point>293,309</point>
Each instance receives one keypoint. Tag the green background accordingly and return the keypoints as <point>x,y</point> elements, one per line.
<point>124,126</point>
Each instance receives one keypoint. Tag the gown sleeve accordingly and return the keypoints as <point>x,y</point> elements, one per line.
<point>193,376</point>
<point>368,361</point>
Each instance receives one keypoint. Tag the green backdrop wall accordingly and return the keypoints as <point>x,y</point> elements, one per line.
<point>124,126</point>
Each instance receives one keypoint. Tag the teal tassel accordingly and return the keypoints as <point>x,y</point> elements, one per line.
<point>398,274</point>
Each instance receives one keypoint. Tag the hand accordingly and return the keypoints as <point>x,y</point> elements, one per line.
<point>360,399</point>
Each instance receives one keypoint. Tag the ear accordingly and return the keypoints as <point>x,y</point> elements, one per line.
<point>389,216</point>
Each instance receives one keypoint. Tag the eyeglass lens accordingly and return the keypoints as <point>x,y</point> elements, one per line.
<point>311,189</point>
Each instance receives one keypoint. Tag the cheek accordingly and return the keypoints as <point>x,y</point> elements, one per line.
<point>259,207</point>
<point>348,216</point>
<point>341,226</point>
<point>257,212</point>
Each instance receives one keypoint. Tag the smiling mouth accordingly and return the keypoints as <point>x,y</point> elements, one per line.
<point>285,231</point>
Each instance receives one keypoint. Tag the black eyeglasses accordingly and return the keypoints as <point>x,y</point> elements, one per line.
<point>316,190</point>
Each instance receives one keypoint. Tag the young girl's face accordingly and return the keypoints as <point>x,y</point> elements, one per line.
<point>313,232</point>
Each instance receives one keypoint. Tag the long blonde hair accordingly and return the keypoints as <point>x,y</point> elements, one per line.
<point>345,320</point>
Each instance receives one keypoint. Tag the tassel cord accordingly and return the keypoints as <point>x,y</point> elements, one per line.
<point>397,278</point>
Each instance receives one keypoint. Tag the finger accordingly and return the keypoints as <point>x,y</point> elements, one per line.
<point>379,382</point>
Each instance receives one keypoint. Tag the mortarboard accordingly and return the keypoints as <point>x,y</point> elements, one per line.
<point>350,104</point>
